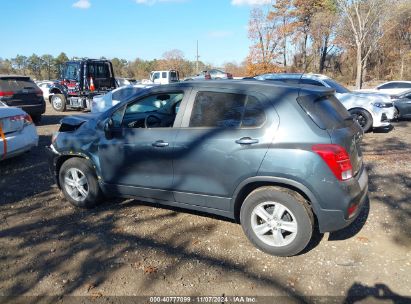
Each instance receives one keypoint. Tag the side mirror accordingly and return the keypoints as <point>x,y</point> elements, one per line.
<point>108,126</point>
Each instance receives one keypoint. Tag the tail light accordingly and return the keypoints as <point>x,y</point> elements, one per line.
<point>39,93</point>
<point>26,118</point>
<point>229,76</point>
<point>207,76</point>
<point>337,159</point>
<point>6,94</point>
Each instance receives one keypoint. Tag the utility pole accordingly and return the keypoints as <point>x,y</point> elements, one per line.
<point>197,58</point>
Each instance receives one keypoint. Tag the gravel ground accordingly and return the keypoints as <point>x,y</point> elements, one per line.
<point>125,248</point>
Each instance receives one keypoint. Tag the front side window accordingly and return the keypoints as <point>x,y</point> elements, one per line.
<point>226,110</point>
<point>160,110</point>
<point>71,71</point>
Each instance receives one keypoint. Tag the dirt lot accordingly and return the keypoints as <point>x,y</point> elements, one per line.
<point>129,248</point>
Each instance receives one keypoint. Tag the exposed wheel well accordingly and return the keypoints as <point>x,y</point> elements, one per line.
<point>247,189</point>
<point>54,91</point>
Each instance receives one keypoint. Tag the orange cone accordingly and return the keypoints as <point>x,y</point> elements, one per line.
<point>92,88</point>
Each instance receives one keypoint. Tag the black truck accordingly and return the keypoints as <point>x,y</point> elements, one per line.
<point>79,82</point>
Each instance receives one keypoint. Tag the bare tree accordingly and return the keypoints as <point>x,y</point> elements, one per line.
<point>365,20</point>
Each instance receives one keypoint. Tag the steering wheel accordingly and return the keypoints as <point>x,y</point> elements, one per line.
<point>152,121</point>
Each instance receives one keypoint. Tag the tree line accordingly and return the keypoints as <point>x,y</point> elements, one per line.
<point>347,39</point>
<point>49,67</point>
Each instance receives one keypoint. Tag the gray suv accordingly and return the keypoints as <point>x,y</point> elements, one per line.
<point>277,158</point>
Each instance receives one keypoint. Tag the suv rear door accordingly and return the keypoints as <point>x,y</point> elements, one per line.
<point>222,141</point>
<point>20,91</point>
<point>329,114</point>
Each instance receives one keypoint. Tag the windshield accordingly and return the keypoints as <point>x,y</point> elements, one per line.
<point>336,86</point>
<point>71,71</point>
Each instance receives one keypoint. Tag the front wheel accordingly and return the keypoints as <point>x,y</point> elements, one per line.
<point>58,102</point>
<point>277,221</point>
<point>79,184</point>
<point>363,117</point>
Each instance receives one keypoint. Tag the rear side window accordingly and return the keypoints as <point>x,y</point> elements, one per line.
<point>226,110</point>
<point>98,70</point>
<point>327,112</point>
<point>164,75</point>
<point>16,84</point>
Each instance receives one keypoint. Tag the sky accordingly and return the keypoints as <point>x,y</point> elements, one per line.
<point>127,29</point>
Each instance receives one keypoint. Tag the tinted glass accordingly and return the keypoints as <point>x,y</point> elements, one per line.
<point>226,110</point>
<point>326,112</point>
<point>125,93</point>
<point>17,84</point>
<point>403,85</point>
<point>392,85</point>
<point>312,82</point>
<point>173,76</point>
<point>164,75</point>
<point>336,86</point>
<point>98,70</point>
<point>254,115</point>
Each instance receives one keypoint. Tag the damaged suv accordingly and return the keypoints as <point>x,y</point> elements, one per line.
<point>280,159</point>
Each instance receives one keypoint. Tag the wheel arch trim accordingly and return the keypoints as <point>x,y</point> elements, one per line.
<point>243,189</point>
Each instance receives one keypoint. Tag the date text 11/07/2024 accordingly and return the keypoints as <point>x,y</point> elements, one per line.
<point>204,299</point>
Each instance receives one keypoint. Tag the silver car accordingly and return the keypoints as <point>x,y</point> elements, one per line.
<point>17,132</point>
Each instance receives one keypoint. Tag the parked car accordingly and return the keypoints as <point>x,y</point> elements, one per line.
<point>391,87</point>
<point>402,103</point>
<point>371,110</point>
<point>269,156</point>
<point>22,92</point>
<point>101,103</point>
<point>212,74</point>
<point>45,88</point>
<point>121,82</point>
<point>17,132</point>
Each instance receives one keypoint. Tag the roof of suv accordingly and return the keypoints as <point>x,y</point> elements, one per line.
<point>257,86</point>
<point>293,75</point>
<point>13,76</point>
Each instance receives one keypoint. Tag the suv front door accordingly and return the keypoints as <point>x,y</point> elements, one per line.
<point>137,158</point>
<point>222,141</point>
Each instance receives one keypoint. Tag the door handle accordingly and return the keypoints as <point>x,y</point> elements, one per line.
<point>160,143</point>
<point>246,141</point>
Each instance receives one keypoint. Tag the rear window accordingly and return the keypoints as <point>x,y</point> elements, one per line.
<point>327,112</point>
<point>98,70</point>
<point>16,84</point>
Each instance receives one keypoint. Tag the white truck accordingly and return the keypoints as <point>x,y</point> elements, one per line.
<point>162,77</point>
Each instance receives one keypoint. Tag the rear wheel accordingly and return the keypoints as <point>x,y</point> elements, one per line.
<point>363,117</point>
<point>79,184</point>
<point>277,221</point>
<point>58,102</point>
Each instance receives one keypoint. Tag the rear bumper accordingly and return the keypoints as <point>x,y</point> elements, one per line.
<point>19,142</point>
<point>34,109</point>
<point>333,220</point>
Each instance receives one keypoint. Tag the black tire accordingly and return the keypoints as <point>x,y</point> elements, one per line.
<point>36,118</point>
<point>94,193</point>
<point>363,117</point>
<point>301,215</point>
<point>58,102</point>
